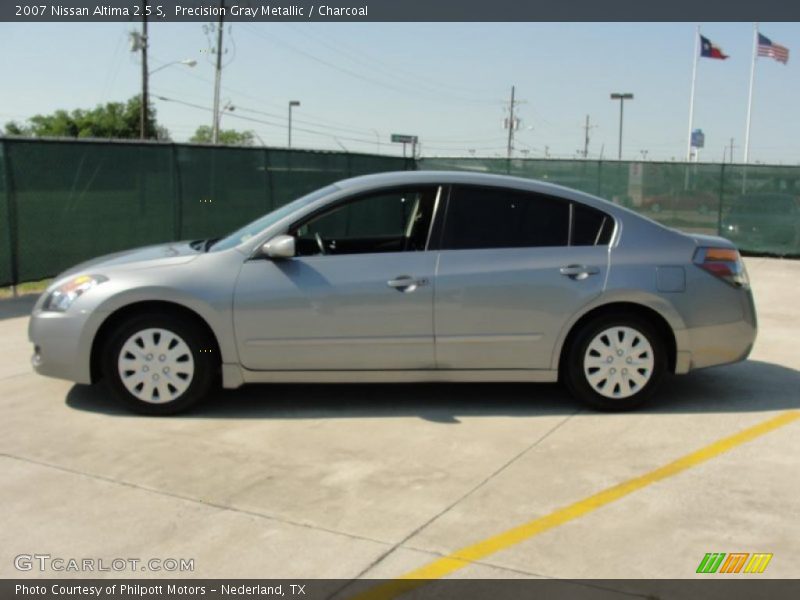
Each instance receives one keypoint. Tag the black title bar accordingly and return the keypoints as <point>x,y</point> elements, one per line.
<point>73,11</point>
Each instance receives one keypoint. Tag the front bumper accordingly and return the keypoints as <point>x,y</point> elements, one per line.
<point>62,344</point>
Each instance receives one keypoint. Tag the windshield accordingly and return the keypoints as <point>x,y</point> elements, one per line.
<point>245,233</point>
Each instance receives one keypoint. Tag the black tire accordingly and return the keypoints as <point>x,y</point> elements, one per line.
<point>575,378</point>
<point>201,346</point>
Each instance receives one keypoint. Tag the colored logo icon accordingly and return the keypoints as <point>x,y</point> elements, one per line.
<point>735,562</point>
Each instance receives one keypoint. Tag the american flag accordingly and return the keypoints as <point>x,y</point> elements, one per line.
<point>776,51</point>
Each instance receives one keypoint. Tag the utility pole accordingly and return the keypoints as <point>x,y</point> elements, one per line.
<point>511,124</point>
<point>145,95</point>
<point>586,129</point>
<point>218,74</point>
<point>292,104</point>
<point>731,154</point>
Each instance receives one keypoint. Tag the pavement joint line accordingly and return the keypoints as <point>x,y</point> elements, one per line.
<point>206,503</point>
<point>472,553</point>
<point>13,375</point>
<point>460,499</point>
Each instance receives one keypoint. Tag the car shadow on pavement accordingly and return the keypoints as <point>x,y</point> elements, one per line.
<point>748,386</point>
<point>13,308</point>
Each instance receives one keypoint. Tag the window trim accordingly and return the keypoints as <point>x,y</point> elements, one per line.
<point>436,237</point>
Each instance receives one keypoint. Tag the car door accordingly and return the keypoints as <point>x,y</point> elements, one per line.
<point>514,267</point>
<point>358,295</point>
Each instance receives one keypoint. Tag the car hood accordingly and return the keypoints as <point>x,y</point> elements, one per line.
<point>138,258</point>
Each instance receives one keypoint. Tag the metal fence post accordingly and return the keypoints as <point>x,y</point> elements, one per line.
<point>599,178</point>
<point>268,191</point>
<point>177,195</point>
<point>11,207</point>
<point>720,199</point>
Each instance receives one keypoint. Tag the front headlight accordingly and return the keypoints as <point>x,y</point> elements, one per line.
<point>61,298</point>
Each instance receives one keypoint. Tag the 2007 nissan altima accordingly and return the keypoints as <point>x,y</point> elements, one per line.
<point>401,277</point>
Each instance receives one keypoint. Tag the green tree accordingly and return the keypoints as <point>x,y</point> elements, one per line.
<point>116,120</point>
<point>229,137</point>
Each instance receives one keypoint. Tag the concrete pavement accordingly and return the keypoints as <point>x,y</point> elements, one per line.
<point>377,480</point>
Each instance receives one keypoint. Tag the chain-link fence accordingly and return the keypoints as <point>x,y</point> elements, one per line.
<point>755,206</point>
<point>65,201</point>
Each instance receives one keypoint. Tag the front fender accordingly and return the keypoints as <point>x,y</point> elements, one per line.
<point>214,309</point>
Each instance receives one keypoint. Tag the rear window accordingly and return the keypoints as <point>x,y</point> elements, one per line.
<point>488,217</point>
<point>590,227</point>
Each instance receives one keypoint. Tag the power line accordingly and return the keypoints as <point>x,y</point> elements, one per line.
<point>264,122</point>
<point>319,122</point>
<point>341,69</point>
<point>366,59</point>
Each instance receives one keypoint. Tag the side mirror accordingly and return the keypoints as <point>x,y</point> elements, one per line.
<point>281,246</point>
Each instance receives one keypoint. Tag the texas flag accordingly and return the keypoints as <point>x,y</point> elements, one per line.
<point>709,50</point>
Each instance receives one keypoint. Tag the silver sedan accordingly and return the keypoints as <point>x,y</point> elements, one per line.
<point>400,277</point>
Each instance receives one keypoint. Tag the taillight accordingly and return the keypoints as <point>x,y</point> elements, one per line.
<point>725,263</point>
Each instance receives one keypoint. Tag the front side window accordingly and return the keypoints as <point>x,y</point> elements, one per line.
<point>396,220</point>
<point>486,217</point>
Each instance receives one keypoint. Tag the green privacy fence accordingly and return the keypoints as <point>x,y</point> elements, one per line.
<point>756,206</point>
<point>65,201</point>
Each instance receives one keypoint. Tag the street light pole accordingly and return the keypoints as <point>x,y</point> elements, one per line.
<point>143,107</point>
<point>292,103</point>
<point>621,98</point>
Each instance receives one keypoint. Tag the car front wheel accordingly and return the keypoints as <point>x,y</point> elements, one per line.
<point>160,364</point>
<point>615,362</point>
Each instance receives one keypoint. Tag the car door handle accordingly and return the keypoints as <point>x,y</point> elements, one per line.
<point>578,271</point>
<point>406,283</point>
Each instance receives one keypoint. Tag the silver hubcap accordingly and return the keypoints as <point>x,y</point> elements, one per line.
<point>156,365</point>
<point>618,362</point>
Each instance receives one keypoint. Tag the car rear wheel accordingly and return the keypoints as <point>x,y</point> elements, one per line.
<point>160,364</point>
<point>615,362</point>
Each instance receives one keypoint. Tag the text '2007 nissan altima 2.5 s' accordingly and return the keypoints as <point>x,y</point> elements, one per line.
<point>401,277</point>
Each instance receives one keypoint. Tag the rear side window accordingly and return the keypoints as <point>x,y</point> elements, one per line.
<point>590,227</point>
<point>486,217</point>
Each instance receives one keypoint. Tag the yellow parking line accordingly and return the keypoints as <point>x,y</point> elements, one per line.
<point>479,550</point>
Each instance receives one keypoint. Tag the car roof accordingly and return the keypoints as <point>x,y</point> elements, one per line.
<point>448,177</point>
<point>401,178</point>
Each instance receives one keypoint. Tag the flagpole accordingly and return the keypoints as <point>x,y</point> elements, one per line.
<point>691,94</point>
<point>750,98</point>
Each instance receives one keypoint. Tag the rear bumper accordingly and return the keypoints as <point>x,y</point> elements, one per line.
<point>721,344</point>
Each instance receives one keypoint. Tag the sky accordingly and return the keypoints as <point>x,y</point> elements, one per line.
<point>448,83</point>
